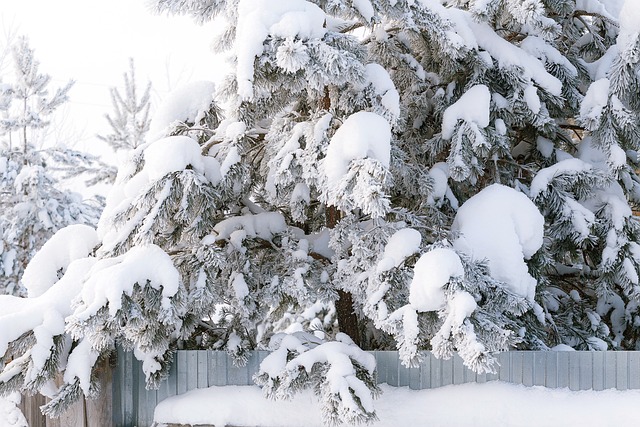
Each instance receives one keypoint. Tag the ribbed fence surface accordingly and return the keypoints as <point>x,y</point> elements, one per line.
<point>133,405</point>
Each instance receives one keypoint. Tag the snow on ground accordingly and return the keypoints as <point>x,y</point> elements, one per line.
<point>489,404</point>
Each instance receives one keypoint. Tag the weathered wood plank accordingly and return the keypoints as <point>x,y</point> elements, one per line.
<point>30,407</point>
<point>388,367</point>
<point>404,375</point>
<point>172,381</point>
<point>143,400</point>
<point>99,411</point>
<point>202,369</point>
<point>415,378</point>
<point>527,368</point>
<point>459,369</point>
<point>131,378</point>
<point>446,372</point>
<point>504,372</point>
<point>181,365</point>
<point>436,372</point>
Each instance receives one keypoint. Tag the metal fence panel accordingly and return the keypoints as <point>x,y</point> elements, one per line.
<point>133,404</point>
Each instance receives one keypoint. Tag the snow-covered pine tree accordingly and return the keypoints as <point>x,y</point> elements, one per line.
<point>32,103</point>
<point>32,203</point>
<point>589,197</point>
<point>130,120</point>
<point>456,171</point>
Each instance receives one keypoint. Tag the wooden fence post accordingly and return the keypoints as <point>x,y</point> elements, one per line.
<point>99,411</point>
<point>30,407</point>
<point>84,413</point>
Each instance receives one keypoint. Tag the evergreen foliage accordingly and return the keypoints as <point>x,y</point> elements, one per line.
<point>32,202</point>
<point>130,120</point>
<point>353,136</point>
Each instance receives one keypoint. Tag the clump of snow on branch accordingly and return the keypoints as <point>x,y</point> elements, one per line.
<point>259,19</point>
<point>431,273</point>
<point>504,227</point>
<point>162,157</point>
<point>44,315</point>
<point>111,278</point>
<point>362,135</point>
<point>629,25</point>
<point>594,102</point>
<point>441,192</point>
<point>185,104</point>
<point>264,225</point>
<point>383,86</point>
<point>172,154</point>
<point>401,245</point>
<point>478,97</point>
<point>357,159</point>
<point>50,262</point>
<point>339,371</point>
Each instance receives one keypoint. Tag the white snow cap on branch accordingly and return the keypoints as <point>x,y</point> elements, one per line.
<point>185,104</point>
<point>431,273</point>
<point>400,246</point>
<point>174,154</point>
<point>379,78</point>
<point>504,227</point>
<point>67,245</point>
<point>263,225</point>
<point>259,19</point>
<point>20,315</point>
<point>472,107</point>
<point>509,55</point>
<point>629,24</point>
<point>10,411</point>
<point>597,6</point>
<point>365,9</point>
<point>110,278</point>
<point>362,135</point>
<point>594,101</point>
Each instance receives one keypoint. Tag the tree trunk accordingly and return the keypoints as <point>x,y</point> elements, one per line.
<point>347,319</point>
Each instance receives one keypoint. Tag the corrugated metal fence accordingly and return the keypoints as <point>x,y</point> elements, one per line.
<point>133,405</point>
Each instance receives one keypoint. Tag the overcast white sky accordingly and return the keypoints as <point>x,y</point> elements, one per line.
<point>90,41</point>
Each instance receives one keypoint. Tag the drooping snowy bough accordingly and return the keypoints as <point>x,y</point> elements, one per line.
<point>448,176</point>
